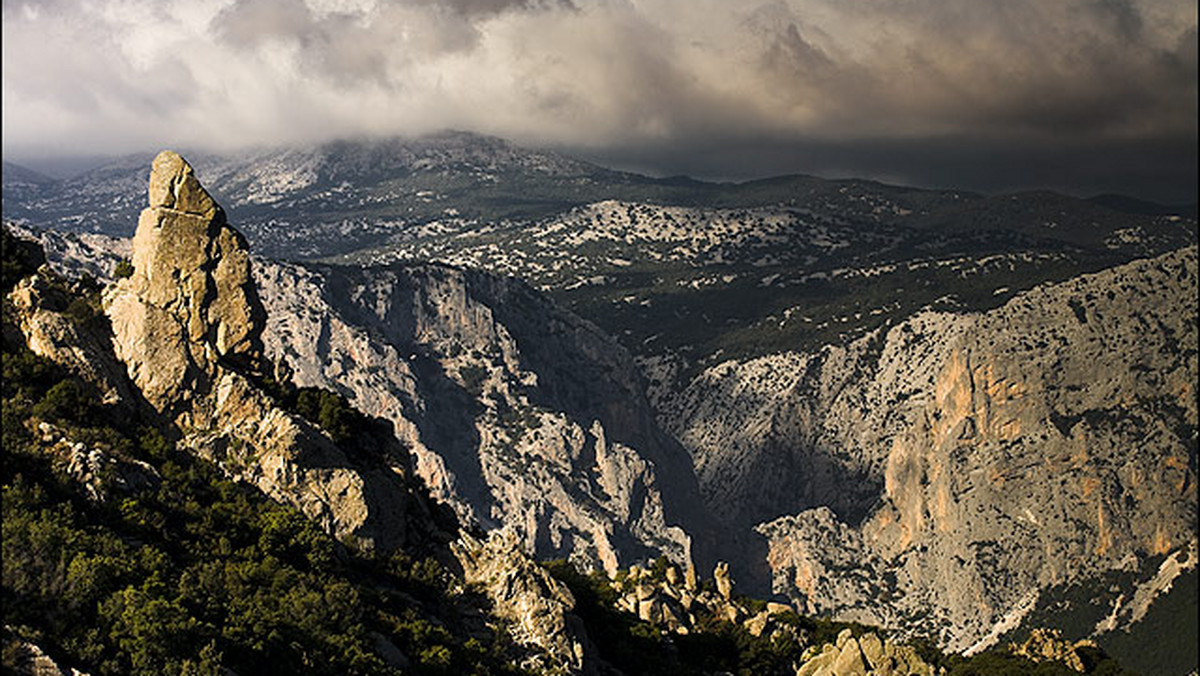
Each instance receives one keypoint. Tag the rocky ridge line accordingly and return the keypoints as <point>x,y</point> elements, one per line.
<point>186,349</point>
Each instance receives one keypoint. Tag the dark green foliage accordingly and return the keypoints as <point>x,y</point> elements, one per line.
<point>360,436</point>
<point>79,311</point>
<point>996,663</point>
<point>202,571</point>
<point>20,258</point>
<point>329,410</point>
<point>67,400</point>
<point>473,376</point>
<point>123,270</point>
<point>1000,662</point>
<point>1170,625</point>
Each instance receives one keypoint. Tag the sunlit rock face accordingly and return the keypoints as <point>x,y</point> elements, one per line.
<point>191,301</point>
<point>940,473</point>
<point>187,325</point>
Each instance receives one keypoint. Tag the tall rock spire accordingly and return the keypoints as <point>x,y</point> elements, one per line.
<point>188,325</point>
<point>191,301</point>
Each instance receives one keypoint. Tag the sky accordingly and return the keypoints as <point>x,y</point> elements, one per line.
<point>1083,96</point>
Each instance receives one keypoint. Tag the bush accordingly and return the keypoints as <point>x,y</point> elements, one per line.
<point>19,258</point>
<point>123,270</point>
<point>473,376</point>
<point>65,401</point>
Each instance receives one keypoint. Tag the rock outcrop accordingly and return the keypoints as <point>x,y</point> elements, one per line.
<point>1048,645</point>
<point>226,416</point>
<point>866,654</point>
<point>101,473</point>
<point>936,475</point>
<point>190,309</point>
<point>188,326</point>
<point>518,414</point>
<point>676,602</point>
<point>28,659</point>
<point>535,608</point>
<point>68,335</point>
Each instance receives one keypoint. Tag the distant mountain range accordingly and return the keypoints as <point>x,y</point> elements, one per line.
<point>838,257</point>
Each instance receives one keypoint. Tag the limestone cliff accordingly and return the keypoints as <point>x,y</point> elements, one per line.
<point>518,414</point>
<point>940,473</point>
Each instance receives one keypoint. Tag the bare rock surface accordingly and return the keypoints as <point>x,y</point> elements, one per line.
<point>535,607</point>
<point>1048,645</point>
<point>518,414</point>
<point>937,475</point>
<point>866,654</point>
<point>191,300</point>
<point>188,326</point>
<point>67,336</point>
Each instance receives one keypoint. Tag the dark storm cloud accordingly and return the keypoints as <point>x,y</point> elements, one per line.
<point>626,79</point>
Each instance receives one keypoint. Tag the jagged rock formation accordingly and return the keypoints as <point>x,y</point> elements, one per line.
<point>28,659</point>
<point>187,326</point>
<point>932,476</point>
<point>675,602</point>
<point>1049,645</point>
<point>533,605</point>
<point>74,342</point>
<point>518,414</point>
<point>190,303</point>
<point>866,654</point>
<point>218,418</point>
<point>99,472</point>
<point>462,364</point>
<point>940,473</point>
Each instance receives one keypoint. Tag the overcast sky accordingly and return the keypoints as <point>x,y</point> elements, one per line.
<point>1081,95</point>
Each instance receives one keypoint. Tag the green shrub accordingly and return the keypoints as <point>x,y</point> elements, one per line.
<point>66,401</point>
<point>473,376</point>
<point>19,258</point>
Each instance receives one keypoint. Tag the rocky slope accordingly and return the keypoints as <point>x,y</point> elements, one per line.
<point>956,464</point>
<point>515,412</point>
<point>937,473</point>
<point>179,346</point>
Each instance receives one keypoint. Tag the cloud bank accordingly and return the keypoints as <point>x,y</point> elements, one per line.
<point>886,88</point>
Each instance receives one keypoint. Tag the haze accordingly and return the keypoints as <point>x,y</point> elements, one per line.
<point>1085,96</point>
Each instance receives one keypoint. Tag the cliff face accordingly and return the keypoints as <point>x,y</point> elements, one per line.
<point>958,463</point>
<point>518,414</point>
